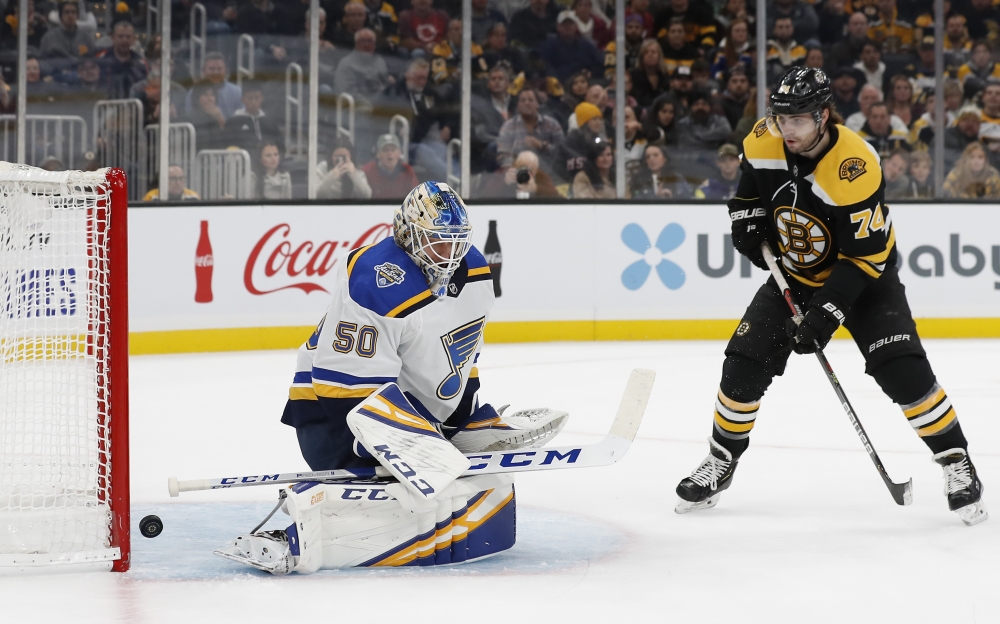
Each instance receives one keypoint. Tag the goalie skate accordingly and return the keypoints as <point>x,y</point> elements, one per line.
<point>703,489</point>
<point>962,486</point>
<point>265,550</point>
<point>492,431</point>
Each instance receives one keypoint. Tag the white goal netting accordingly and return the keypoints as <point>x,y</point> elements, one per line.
<point>55,421</point>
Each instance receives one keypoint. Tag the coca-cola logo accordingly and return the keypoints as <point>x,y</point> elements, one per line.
<point>278,262</point>
<point>204,261</point>
<point>494,258</point>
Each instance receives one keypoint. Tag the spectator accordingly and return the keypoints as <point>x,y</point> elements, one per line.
<point>921,185</point>
<point>847,51</point>
<point>497,50</point>
<point>534,23</point>
<point>922,131</point>
<point>815,58</point>
<point>388,176</point>
<point>661,128</point>
<point>677,51</point>
<point>871,65</point>
<point>973,177</point>
<point>702,129</point>
<point>724,185</point>
<point>633,46</point>
<point>701,78</point>
<point>897,184</point>
<point>868,95</point>
<point>991,104</point>
<point>579,140</point>
<point>446,64</point>
<point>383,21</point>
<point>267,179</point>
<point>529,130</point>
<point>592,26</point>
<point>641,8</point>
<point>597,180</point>
<point>735,49</point>
<point>805,22</point>
<point>250,125</point>
<point>681,84</point>
<point>339,178</point>
<point>964,133</point>
<point>88,74</point>
<point>957,45</point>
<point>845,91</point>
<point>733,10</point>
<point>596,95</point>
<point>888,31</point>
<point>568,52</point>
<point>832,22</point>
<point>901,100</point>
<point>430,127</point>
<point>783,52</point>
<point>362,73</point>
<point>263,17</point>
<point>68,41</point>
<point>148,93</point>
<point>655,181</point>
<point>635,142</point>
<point>176,187</point>
<point>353,20</point>
<point>524,180</point>
<point>983,19</point>
<point>980,68</point>
<point>696,15</point>
<point>483,19</point>
<point>649,78</point>
<point>733,100</point>
<point>488,115</point>
<point>37,28</point>
<point>878,130</point>
<point>207,118</point>
<point>121,66</point>
<point>922,71</point>
<point>228,96</point>
<point>422,27</point>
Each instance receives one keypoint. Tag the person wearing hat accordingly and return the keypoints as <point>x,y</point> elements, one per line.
<point>677,51</point>
<point>989,136</point>
<point>722,186</point>
<point>963,132</point>
<point>579,140</point>
<point>702,129</point>
<point>387,174</point>
<point>681,85</point>
<point>633,43</point>
<point>568,52</point>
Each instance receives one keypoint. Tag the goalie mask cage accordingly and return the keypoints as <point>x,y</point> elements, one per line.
<point>64,489</point>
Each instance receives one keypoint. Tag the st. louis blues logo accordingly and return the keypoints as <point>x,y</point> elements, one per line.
<point>314,339</point>
<point>388,274</point>
<point>460,345</point>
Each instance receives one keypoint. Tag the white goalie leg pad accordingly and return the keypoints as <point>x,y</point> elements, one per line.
<point>406,443</point>
<point>488,430</point>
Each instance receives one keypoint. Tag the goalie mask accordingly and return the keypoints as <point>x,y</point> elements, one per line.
<point>433,227</point>
<point>802,90</point>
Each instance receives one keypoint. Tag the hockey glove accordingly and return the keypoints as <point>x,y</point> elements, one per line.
<point>749,232</point>
<point>820,321</point>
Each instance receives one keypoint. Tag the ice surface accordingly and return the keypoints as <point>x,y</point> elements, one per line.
<point>807,533</point>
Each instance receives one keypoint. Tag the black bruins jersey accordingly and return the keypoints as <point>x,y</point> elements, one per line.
<point>827,214</point>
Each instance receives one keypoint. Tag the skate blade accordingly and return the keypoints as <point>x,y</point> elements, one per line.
<point>684,506</point>
<point>973,514</point>
<point>233,553</point>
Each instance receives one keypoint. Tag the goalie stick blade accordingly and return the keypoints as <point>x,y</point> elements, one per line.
<point>902,493</point>
<point>608,451</point>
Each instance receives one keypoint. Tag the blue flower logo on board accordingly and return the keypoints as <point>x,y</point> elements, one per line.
<point>636,274</point>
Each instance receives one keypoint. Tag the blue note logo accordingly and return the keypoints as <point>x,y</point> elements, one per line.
<point>460,345</point>
<point>636,274</point>
<point>388,274</point>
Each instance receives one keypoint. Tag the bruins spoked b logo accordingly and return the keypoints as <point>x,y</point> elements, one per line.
<point>805,240</point>
<point>852,169</point>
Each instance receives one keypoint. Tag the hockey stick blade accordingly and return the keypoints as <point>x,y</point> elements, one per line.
<point>608,451</point>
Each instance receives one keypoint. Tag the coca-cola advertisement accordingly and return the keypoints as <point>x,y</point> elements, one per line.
<point>203,264</point>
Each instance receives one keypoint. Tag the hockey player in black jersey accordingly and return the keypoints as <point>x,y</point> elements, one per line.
<point>813,190</point>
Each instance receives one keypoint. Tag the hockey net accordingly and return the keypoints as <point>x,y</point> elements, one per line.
<point>63,369</point>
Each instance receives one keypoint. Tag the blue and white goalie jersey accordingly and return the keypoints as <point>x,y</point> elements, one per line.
<point>385,325</point>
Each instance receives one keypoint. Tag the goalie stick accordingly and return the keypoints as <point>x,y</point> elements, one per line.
<point>608,451</point>
<point>902,493</point>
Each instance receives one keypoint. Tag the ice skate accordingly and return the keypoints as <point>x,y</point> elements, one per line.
<point>704,487</point>
<point>962,486</point>
<point>265,550</point>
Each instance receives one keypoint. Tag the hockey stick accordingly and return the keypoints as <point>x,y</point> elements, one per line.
<point>902,493</point>
<point>609,450</point>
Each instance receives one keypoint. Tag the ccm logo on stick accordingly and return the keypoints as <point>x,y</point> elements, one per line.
<point>251,479</point>
<point>887,340</point>
<point>520,459</point>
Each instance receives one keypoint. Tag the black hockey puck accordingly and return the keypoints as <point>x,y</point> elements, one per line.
<point>151,526</point>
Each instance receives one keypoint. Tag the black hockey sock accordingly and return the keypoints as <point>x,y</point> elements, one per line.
<point>744,382</point>
<point>910,382</point>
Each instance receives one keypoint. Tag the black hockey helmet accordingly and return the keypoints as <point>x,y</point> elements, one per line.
<point>800,90</point>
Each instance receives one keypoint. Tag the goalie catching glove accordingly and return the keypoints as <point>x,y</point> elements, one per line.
<point>821,320</point>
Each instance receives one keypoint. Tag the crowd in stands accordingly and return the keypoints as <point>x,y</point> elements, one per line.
<point>543,97</point>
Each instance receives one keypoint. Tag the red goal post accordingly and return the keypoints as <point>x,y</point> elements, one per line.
<point>64,461</point>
